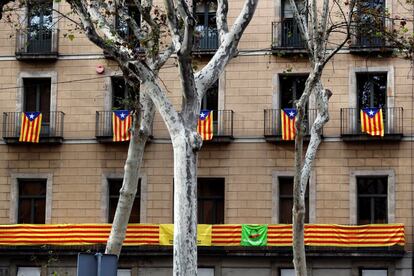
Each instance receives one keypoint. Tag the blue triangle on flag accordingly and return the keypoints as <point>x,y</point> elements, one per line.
<point>204,114</point>
<point>32,115</point>
<point>122,114</point>
<point>371,111</point>
<point>291,112</point>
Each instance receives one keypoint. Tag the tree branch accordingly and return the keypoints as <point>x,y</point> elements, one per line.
<point>221,18</point>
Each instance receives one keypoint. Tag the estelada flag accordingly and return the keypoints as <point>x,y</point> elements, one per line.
<point>372,121</point>
<point>203,234</point>
<point>254,235</point>
<point>288,118</point>
<point>30,129</point>
<point>205,124</point>
<point>121,123</point>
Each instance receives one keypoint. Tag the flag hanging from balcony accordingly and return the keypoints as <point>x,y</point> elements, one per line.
<point>30,129</point>
<point>254,235</point>
<point>121,123</point>
<point>372,121</point>
<point>288,118</point>
<point>205,124</point>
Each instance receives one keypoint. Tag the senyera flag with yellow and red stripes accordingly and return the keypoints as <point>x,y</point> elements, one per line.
<point>330,235</point>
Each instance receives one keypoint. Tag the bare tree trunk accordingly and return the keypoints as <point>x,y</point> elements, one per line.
<point>131,176</point>
<point>185,207</point>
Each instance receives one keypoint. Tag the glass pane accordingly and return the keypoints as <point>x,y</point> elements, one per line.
<point>39,211</point>
<point>285,210</point>
<point>124,272</point>
<point>364,211</point>
<point>205,271</point>
<point>114,188</point>
<point>210,194</point>
<point>28,271</point>
<point>291,89</point>
<point>287,272</point>
<point>380,210</point>
<point>37,96</point>
<point>372,89</point>
<point>32,188</point>
<point>210,100</point>
<point>206,212</point>
<point>24,211</point>
<point>119,94</point>
<point>374,272</point>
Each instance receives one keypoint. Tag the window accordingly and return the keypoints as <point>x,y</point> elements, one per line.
<point>287,272</point>
<point>119,93</point>
<point>291,36</point>
<point>37,97</point>
<point>291,89</point>
<point>210,102</point>
<point>205,271</point>
<point>373,272</point>
<point>372,199</point>
<point>372,89</point>
<point>32,201</point>
<point>124,272</point>
<point>370,22</point>
<point>286,200</point>
<point>114,187</point>
<point>122,26</point>
<point>206,28</point>
<point>28,271</point>
<point>39,26</point>
<point>210,200</point>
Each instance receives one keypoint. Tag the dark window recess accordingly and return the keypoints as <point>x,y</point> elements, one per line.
<point>206,27</point>
<point>210,101</point>
<point>291,36</point>
<point>37,97</point>
<point>39,27</point>
<point>291,89</point>
<point>372,199</point>
<point>120,93</point>
<point>210,199</point>
<point>286,200</point>
<point>122,26</point>
<point>372,89</point>
<point>114,187</point>
<point>370,21</point>
<point>32,201</point>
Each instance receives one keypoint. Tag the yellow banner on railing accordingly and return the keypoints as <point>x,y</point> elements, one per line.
<point>203,234</point>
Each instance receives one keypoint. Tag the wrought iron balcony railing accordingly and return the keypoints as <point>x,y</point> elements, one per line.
<point>370,37</point>
<point>206,40</point>
<point>222,125</point>
<point>351,123</point>
<point>273,123</point>
<point>51,130</point>
<point>286,35</point>
<point>37,44</point>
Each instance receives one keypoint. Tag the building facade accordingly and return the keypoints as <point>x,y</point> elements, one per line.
<point>245,173</point>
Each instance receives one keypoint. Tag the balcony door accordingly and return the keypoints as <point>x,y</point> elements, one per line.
<point>37,98</point>
<point>370,20</point>
<point>39,27</point>
<point>206,26</point>
<point>210,102</point>
<point>291,36</point>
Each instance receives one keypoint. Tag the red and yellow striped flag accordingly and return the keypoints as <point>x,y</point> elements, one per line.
<point>30,129</point>
<point>288,118</point>
<point>205,124</point>
<point>372,121</point>
<point>121,123</point>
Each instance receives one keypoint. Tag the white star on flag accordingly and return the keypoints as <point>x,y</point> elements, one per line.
<point>122,115</point>
<point>31,116</point>
<point>371,112</point>
<point>291,114</point>
<point>202,115</point>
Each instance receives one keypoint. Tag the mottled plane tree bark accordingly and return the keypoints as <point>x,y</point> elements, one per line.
<point>174,22</point>
<point>317,24</point>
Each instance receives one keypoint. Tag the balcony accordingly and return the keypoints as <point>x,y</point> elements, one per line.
<point>286,38</point>
<point>206,41</point>
<point>222,127</point>
<point>365,42</point>
<point>273,124</point>
<point>37,44</point>
<point>50,132</point>
<point>351,125</point>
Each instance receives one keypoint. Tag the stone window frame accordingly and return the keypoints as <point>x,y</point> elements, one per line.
<point>353,93</point>
<point>353,196</point>
<point>14,194</point>
<point>275,194</point>
<point>105,195</point>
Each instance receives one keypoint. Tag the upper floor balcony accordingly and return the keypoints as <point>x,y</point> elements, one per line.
<point>351,125</point>
<point>273,124</point>
<point>37,44</point>
<point>51,130</point>
<point>286,38</point>
<point>206,40</point>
